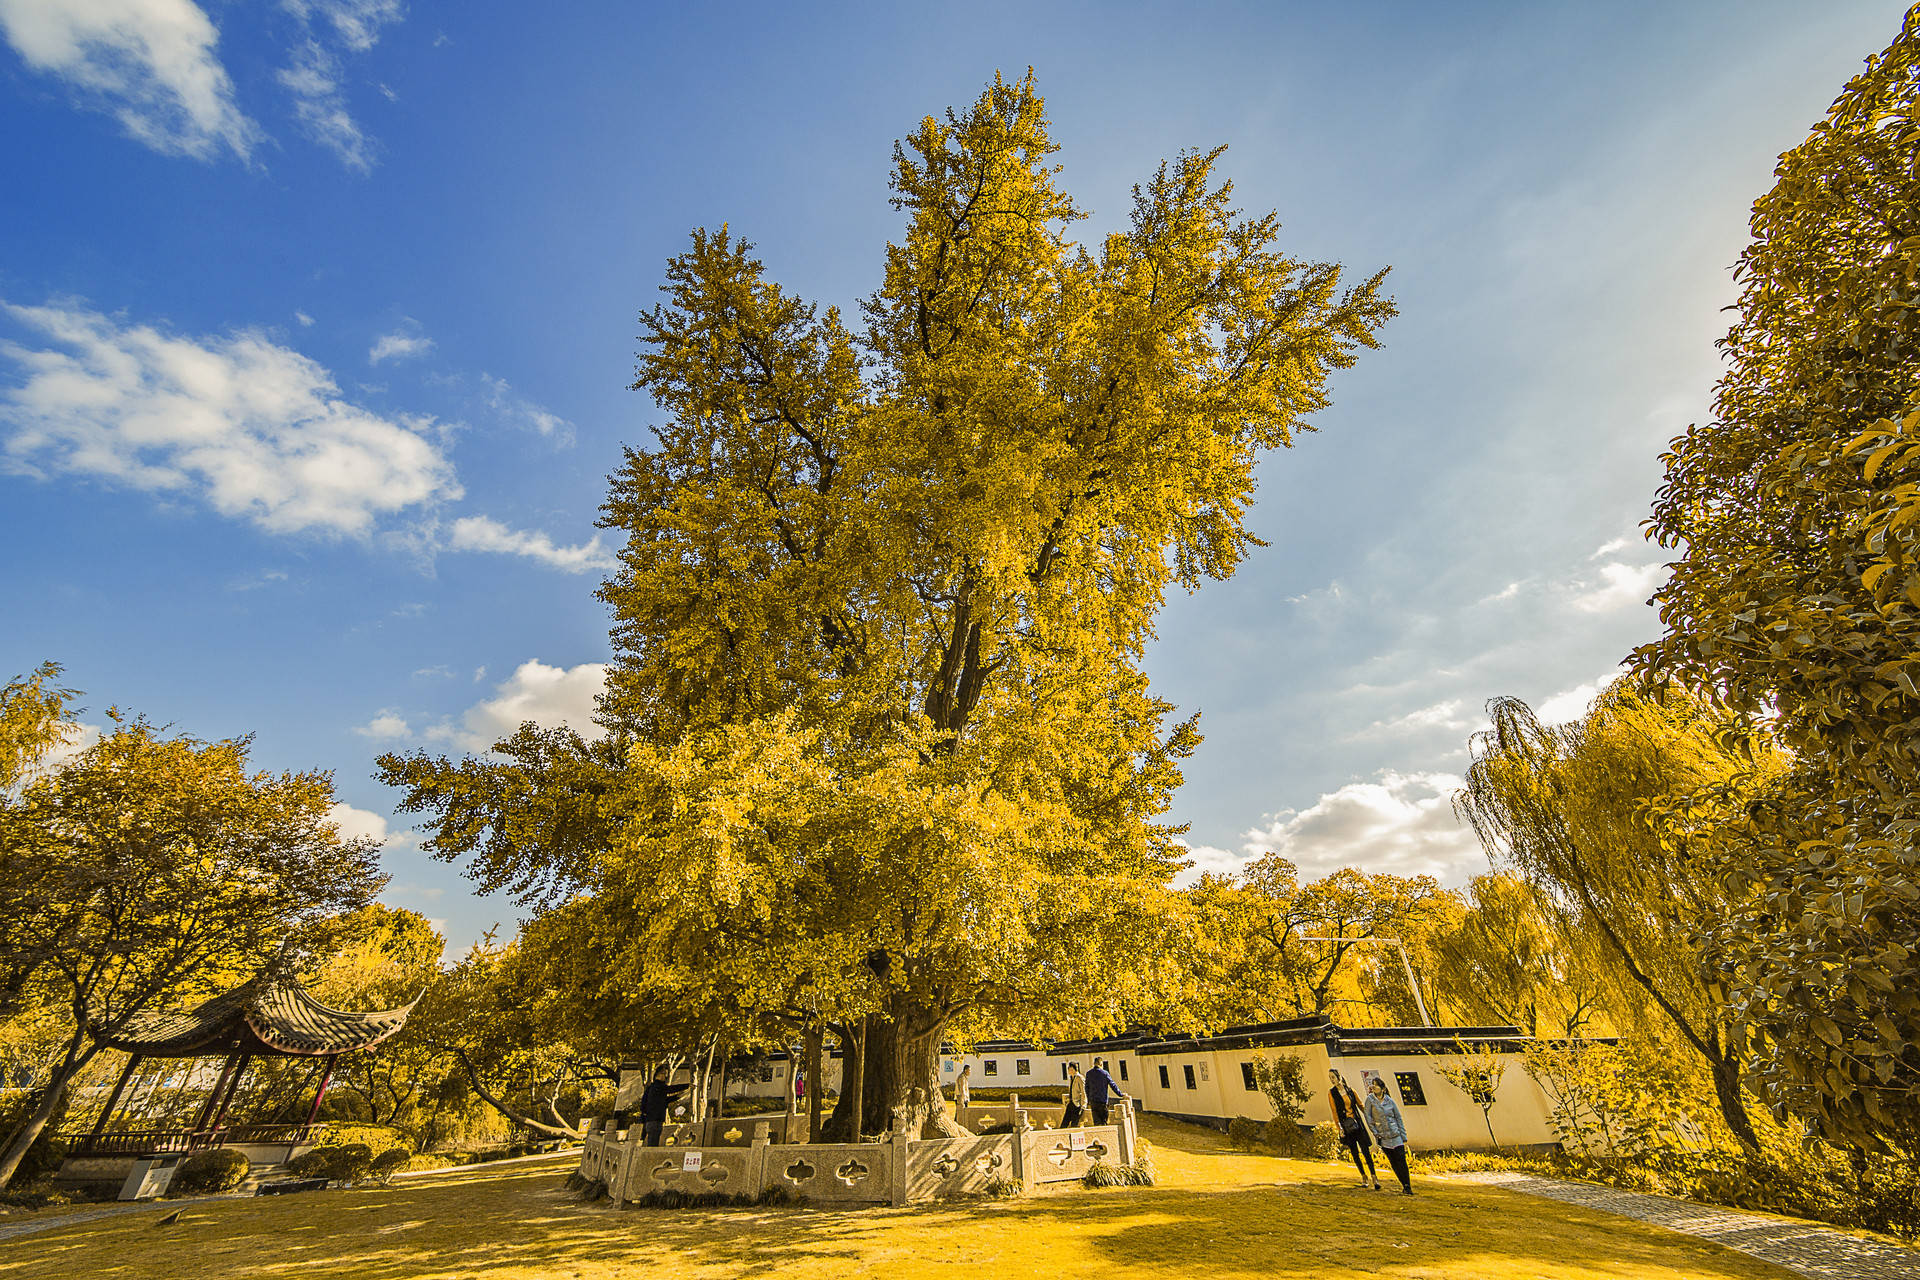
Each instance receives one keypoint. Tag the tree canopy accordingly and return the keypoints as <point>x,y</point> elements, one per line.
<point>1796,597</point>
<point>879,744</point>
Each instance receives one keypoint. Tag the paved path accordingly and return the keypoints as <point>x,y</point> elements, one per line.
<point>54,1221</point>
<point>1802,1247</point>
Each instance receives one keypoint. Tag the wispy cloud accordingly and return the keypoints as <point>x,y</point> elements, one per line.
<point>404,343</point>
<point>320,105</point>
<point>483,533</point>
<point>149,63</point>
<point>514,407</point>
<point>314,76</point>
<point>355,23</point>
<point>253,429</point>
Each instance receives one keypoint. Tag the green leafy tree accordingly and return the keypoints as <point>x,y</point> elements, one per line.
<point>148,870</point>
<point>1796,596</point>
<point>1577,810</point>
<point>882,734</point>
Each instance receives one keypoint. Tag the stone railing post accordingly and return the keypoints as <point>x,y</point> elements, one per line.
<point>760,1170</point>
<point>902,1134</point>
<point>1127,1131</point>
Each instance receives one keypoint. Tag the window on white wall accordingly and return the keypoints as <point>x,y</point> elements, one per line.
<point>1023,1066</point>
<point>990,1067</point>
<point>1189,1074</point>
<point>1246,1076</point>
<point>1163,1079</point>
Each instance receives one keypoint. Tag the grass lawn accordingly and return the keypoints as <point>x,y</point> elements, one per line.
<point>1216,1213</point>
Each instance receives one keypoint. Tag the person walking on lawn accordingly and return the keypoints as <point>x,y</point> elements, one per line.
<point>1076,1097</point>
<point>963,1086</point>
<point>653,1106</point>
<point>1353,1129</point>
<point>1383,1117</point>
<point>1101,1090</point>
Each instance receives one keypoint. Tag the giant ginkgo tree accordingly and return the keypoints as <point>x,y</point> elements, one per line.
<point>884,741</point>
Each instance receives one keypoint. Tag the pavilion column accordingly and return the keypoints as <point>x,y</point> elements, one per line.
<point>113,1099</point>
<point>232,1088</point>
<point>321,1093</point>
<point>219,1088</point>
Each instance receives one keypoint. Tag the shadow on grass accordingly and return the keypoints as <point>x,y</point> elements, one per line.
<point>520,1223</point>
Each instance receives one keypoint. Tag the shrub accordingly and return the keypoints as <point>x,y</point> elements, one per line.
<point>1102,1174</point>
<point>390,1162</point>
<point>1002,1188</point>
<point>1323,1141</point>
<point>206,1172</point>
<point>349,1163</point>
<point>375,1137</point>
<point>1244,1133</point>
<point>1283,1079</point>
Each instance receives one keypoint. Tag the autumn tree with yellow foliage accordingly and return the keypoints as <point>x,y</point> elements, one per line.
<point>886,745</point>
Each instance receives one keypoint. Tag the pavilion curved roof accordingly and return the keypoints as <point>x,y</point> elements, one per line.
<point>271,1014</point>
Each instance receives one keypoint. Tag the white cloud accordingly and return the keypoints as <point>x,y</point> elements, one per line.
<point>1609,547</point>
<point>356,23</point>
<point>508,403</point>
<point>1570,704</point>
<point>1620,586</point>
<point>482,533</point>
<point>306,321</point>
<point>320,105</point>
<point>387,726</point>
<point>1401,823</point>
<point>356,824</point>
<point>252,429</point>
<point>149,62</point>
<point>314,76</point>
<point>403,343</point>
<point>548,696</point>
<point>440,671</point>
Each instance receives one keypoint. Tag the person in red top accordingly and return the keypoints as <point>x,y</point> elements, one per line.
<point>1349,1116</point>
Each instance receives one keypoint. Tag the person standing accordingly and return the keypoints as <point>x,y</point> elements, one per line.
<point>1383,1117</point>
<point>963,1086</point>
<point>1101,1091</point>
<point>653,1106</point>
<point>1347,1115</point>
<point>1076,1097</point>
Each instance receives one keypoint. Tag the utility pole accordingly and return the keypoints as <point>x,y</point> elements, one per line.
<point>1426,1019</point>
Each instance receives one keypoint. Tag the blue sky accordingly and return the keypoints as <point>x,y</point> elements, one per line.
<point>316,319</point>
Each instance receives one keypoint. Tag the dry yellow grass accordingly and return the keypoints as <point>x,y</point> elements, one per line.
<point>1217,1213</point>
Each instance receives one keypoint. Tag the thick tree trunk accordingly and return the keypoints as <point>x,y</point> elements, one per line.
<point>841,1126</point>
<point>882,1087</point>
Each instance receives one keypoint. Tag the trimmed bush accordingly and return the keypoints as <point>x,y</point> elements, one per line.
<point>1102,1174</point>
<point>350,1163</point>
<point>206,1172</point>
<point>390,1162</point>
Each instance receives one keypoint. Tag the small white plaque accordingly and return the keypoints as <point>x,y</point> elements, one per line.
<point>1079,1141</point>
<point>690,1162</point>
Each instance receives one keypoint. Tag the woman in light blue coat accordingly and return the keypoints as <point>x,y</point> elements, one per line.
<point>1389,1130</point>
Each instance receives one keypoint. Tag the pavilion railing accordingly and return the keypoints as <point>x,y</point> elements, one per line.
<point>135,1142</point>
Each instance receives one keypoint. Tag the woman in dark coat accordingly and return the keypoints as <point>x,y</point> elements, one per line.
<point>1349,1117</point>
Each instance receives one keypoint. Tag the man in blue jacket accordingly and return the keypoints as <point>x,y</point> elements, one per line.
<point>1101,1091</point>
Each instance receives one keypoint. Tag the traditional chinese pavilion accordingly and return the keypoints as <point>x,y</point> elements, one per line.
<point>270,1016</point>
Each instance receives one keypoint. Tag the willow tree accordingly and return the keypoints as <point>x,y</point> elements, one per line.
<point>1796,595</point>
<point>885,591</point>
<point>1586,813</point>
